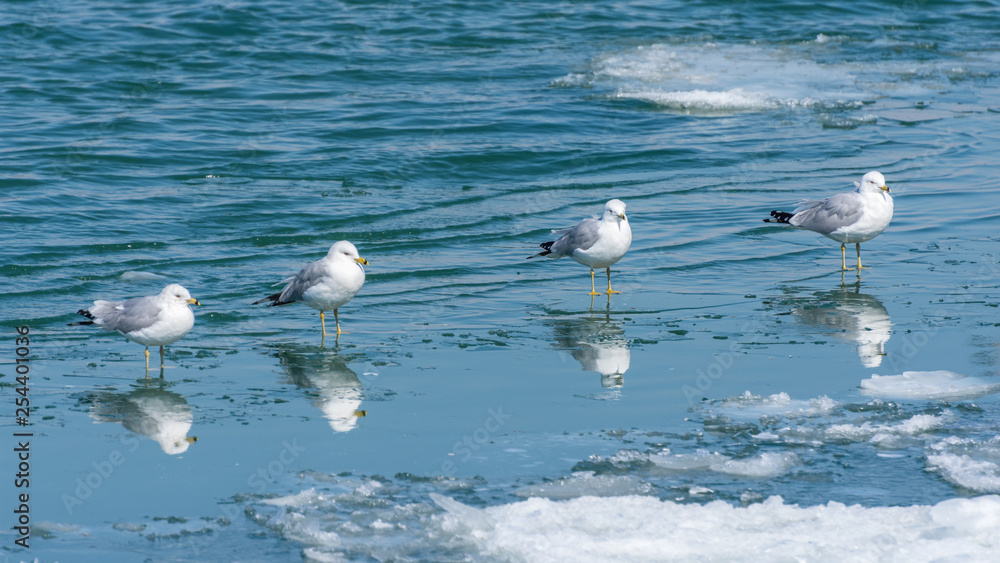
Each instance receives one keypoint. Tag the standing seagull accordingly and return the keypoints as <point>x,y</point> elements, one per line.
<point>594,242</point>
<point>325,284</point>
<point>154,320</point>
<point>856,216</point>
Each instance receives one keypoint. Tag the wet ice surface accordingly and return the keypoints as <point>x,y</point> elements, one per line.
<point>624,528</point>
<point>449,440</point>
<point>711,493</point>
<point>928,385</point>
<point>454,437</point>
<point>743,470</point>
<point>356,518</point>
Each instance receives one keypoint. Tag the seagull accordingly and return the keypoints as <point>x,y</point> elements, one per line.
<point>856,216</point>
<point>326,284</point>
<point>594,242</point>
<point>154,320</point>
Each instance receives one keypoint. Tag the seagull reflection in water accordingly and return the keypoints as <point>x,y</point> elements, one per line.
<point>597,343</point>
<point>338,389</point>
<point>850,315</point>
<point>158,414</point>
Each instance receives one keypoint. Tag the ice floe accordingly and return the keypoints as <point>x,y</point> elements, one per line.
<point>639,528</point>
<point>967,462</point>
<point>927,385</point>
<point>750,406</point>
<point>763,466</point>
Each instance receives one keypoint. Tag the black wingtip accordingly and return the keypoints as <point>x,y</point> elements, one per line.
<point>780,217</point>
<point>85,313</point>
<point>548,249</point>
<point>274,300</point>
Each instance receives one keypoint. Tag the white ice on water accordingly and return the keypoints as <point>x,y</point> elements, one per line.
<point>304,497</point>
<point>970,463</point>
<point>642,528</point>
<point>588,516</point>
<point>710,77</point>
<point>879,432</point>
<point>587,483</point>
<point>764,466</point>
<point>639,528</point>
<point>750,406</point>
<point>734,100</point>
<point>927,385</point>
<point>966,462</point>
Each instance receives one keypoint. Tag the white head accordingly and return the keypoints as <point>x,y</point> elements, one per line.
<point>614,209</point>
<point>872,182</point>
<point>172,446</point>
<point>341,408</point>
<point>171,434</point>
<point>346,250</point>
<point>176,292</point>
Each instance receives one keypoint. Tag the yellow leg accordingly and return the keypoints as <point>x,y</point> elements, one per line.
<point>322,322</point>
<point>610,291</point>
<point>843,258</point>
<point>858,245</point>
<point>161,358</point>
<point>147,361</point>
<point>336,319</point>
<point>593,290</point>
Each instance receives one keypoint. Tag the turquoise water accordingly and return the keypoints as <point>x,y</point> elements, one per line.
<point>225,145</point>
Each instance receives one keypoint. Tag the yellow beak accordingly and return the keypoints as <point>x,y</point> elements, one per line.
<point>191,440</point>
<point>194,301</point>
<point>886,188</point>
<point>360,260</point>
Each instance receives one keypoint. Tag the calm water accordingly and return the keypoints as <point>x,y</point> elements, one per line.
<point>508,416</point>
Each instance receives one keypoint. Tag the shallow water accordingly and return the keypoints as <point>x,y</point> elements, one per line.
<point>224,146</point>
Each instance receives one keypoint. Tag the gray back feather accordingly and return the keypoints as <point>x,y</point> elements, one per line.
<point>830,214</point>
<point>126,316</point>
<point>306,278</point>
<point>580,237</point>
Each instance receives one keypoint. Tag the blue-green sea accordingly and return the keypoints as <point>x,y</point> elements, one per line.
<point>741,399</point>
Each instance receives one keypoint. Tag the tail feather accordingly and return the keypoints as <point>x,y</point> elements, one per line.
<point>85,313</point>
<point>780,217</point>
<point>547,246</point>
<point>273,300</point>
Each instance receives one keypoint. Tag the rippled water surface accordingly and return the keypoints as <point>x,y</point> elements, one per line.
<point>481,406</point>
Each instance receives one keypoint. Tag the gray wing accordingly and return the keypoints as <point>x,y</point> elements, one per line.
<point>126,316</point>
<point>829,214</point>
<point>580,237</point>
<point>306,278</point>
